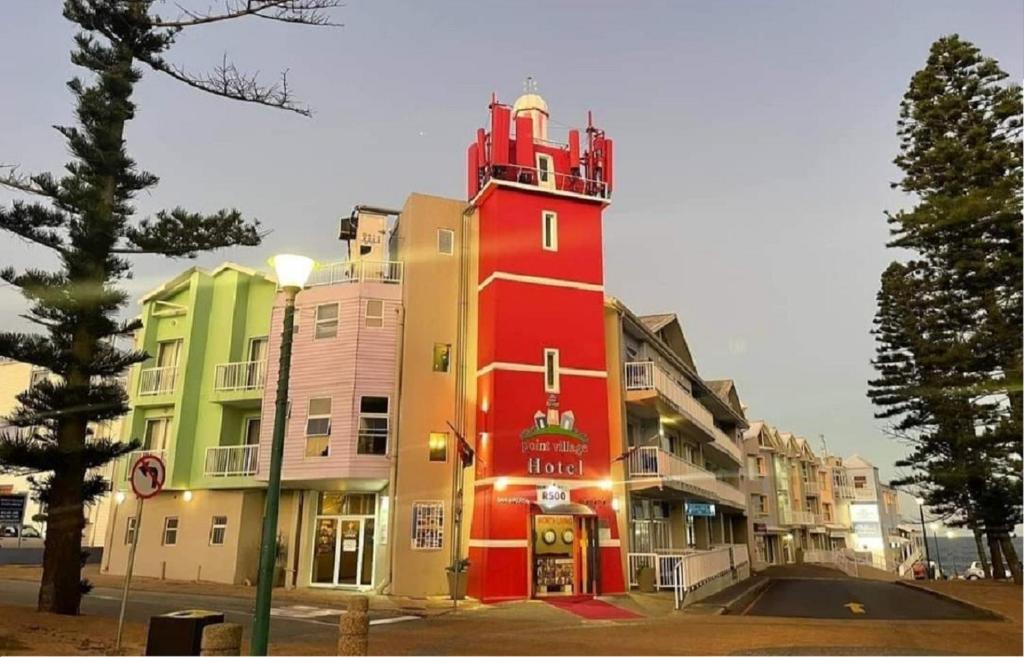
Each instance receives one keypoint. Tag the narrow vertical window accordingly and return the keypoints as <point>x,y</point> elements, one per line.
<point>318,427</point>
<point>445,241</point>
<point>438,446</point>
<point>170,530</point>
<point>129,531</point>
<point>218,528</point>
<point>326,321</point>
<point>550,370</point>
<point>374,313</point>
<point>442,356</point>
<point>549,231</point>
<point>545,171</point>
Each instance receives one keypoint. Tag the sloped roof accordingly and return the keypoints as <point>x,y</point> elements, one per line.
<point>657,322</point>
<point>171,286</point>
<point>667,327</point>
<point>857,461</point>
<point>726,389</point>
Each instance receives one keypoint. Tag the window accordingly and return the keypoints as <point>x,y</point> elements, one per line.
<point>688,453</point>
<point>374,313</point>
<point>550,370</point>
<point>827,510</point>
<point>258,349</point>
<point>445,241</point>
<point>157,432</point>
<point>252,431</point>
<point>427,525</point>
<point>752,466</point>
<point>167,353</point>
<point>326,321</point>
<point>170,531</point>
<point>438,446</point>
<point>318,427</point>
<point>860,482</point>
<point>442,356</point>
<point>549,231</point>
<point>218,528</point>
<point>545,171</point>
<point>759,503</point>
<point>762,468</point>
<point>129,531</point>
<point>373,426</point>
<point>346,504</point>
<point>38,374</point>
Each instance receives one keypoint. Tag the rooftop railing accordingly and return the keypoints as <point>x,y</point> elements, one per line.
<point>355,271</point>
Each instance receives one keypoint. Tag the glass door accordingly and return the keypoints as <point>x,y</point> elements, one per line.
<point>325,551</point>
<point>351,552</point>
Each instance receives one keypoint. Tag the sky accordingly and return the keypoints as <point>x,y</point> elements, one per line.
<point>754,143</point>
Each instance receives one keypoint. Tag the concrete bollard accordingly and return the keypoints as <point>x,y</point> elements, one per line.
<point>354,627</point>
<point>221,639</point>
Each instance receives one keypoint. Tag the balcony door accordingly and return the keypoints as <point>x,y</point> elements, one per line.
<point>157,432</point>
<point>167,353</point>
<point>252,430</point>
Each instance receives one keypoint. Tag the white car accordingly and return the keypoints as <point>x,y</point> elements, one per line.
<point>975,571</point>
<point>30,537</point>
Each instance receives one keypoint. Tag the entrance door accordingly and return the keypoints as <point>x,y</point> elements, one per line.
<point>325,551</point>
<point>351,552</point>
<point>343,552</point>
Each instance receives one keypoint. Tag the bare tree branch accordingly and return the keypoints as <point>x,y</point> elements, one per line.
<point>228,81</point>
<point>304,12</point>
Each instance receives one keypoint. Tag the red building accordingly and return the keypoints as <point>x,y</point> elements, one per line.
<point>543,521</point>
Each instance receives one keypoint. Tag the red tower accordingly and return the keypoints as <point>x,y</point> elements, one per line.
<point>543,516</point>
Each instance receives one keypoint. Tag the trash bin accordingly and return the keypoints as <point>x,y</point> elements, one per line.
<point>645,579</point>
<point>179,632</point>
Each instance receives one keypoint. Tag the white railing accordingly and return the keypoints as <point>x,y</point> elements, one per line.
<point>811,487</point>
<point>843,491</point>
<point>354,271</point>
<point>655,462</point>
<point>247,375</point>
<point>139,453</point>
<point>697,569</point>
<point>157,380</point>
<point>646,375</point>
<point>908,564</point>
<point>232,461</point>
<point>803,518</point>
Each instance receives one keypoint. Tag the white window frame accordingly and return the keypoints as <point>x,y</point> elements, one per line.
<point>129,530</point>
<point>551,370</point>
<point>165,438</point>
<point>373,321</point>
<point>549,230</point>
<point>427,525</point>
<point>214,526</point>
<point>318,416</point>
<point>385,416</point>
<point>168,528</point>
<point>449,232</point>
<point>548,181</point>
<point>336,320</point>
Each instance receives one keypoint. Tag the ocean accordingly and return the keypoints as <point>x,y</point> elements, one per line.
<point>958,553</point>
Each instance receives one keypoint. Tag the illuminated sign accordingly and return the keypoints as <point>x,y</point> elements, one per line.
<point>864,513</point>
<point>700,509</point>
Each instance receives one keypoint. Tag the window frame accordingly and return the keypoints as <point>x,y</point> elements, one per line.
<point>549,230</point>
<point>451,234</point>
<point>386,416</point>
<point>427,526</point>
<point>448,360</point>
<point>378,319</point>
<point>317,321</point>
<point>214,526</point>
<point>548,180</point>
<point>431,446</point>
<point>130,527</point>
<point>166,438</point>
<point>173,531</point>
<point>552,375</point>
<point>320,437</point>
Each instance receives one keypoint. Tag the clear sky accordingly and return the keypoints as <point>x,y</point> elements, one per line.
<point>753,139</point>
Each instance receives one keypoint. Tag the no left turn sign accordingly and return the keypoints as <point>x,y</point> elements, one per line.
<point>148,474</point>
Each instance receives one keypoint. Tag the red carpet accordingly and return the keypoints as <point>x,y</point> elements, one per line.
<point>591,608</point>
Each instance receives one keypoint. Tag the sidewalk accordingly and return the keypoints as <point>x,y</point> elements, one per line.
<point>1004,598</point>
<point>308,596</point>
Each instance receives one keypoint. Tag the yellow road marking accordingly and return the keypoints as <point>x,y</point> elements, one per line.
<point>855,607</point>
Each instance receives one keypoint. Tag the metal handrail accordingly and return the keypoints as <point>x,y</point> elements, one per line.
<point>244,375</point>
<point>158,380</point>
<point>231,460</point>
<point>651,461</point>
<point>355,271</point>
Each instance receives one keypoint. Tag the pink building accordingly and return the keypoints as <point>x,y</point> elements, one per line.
<point>343,396</point>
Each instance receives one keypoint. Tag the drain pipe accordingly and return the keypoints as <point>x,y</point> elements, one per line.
<point>385,586</point>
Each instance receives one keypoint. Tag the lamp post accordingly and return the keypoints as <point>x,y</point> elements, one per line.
<point>924,534</point>
<point>949,537</point>
<point>292,273</point>
<point>938,555</point>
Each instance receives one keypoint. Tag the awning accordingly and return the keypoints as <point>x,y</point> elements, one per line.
<point>570,509</point>
<point>817,530</point>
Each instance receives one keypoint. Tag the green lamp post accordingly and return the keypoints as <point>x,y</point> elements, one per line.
<point>292,273</point>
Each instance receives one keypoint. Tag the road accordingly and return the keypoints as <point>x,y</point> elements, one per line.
<point>288,622</point>
<point>856,599</point>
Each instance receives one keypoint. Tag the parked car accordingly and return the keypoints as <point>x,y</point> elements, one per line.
<point>975,571</point>
<point>30,536</point>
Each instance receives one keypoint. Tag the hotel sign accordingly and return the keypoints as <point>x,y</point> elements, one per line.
<point>700,509</point>
<point>553,446</point>
<point>552,495</point>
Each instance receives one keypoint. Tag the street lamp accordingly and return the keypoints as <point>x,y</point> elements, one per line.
<point>292,273</point>
<point>924,534</point>
<point>949,536</point>
<point>938,554</point>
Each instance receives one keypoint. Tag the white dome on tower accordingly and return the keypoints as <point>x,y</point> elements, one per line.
<point>531,104</point>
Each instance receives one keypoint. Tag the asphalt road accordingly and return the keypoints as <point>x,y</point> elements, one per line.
<point>287,622</point>
<point>856,599</point>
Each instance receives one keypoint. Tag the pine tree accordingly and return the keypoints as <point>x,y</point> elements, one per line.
<point>86,218</point>
<point>949,342</point>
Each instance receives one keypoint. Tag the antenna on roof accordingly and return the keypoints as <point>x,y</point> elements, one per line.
<point>824,445</point>
<point>530,85</point>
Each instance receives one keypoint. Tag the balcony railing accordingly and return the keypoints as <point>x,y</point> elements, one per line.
<point>139,453</point>
<point>157,380</point>
<point>247,375</point>
<point>656,462</point>
<point>803,518</point>
<point>811,487</point>
<point>867,494</point>
<point>646,375</point>
<point>232,461</point>
<point>354,271</point>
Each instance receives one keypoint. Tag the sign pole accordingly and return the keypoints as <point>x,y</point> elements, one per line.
<point>128,574</point>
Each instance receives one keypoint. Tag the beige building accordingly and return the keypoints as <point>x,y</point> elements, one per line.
<point>15,378</point>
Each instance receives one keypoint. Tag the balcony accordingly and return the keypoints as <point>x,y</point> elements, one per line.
<point>139,453</point>
<point>245,375</point>
<point>812,488</point>
<point>231,461</point>
<point>864,494</point>
<point>654,462</point>
<point>802,518</point>
<point>157,380</point>
<point>647,377</point>
<point>355,271</point>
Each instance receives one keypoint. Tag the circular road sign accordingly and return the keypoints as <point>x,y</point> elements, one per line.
<point>148,474</point>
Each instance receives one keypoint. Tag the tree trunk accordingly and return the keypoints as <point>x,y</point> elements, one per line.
<point>980,546</point>
<point>1011,555</point>
<point>60,590</point>
<point>998,570</point>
